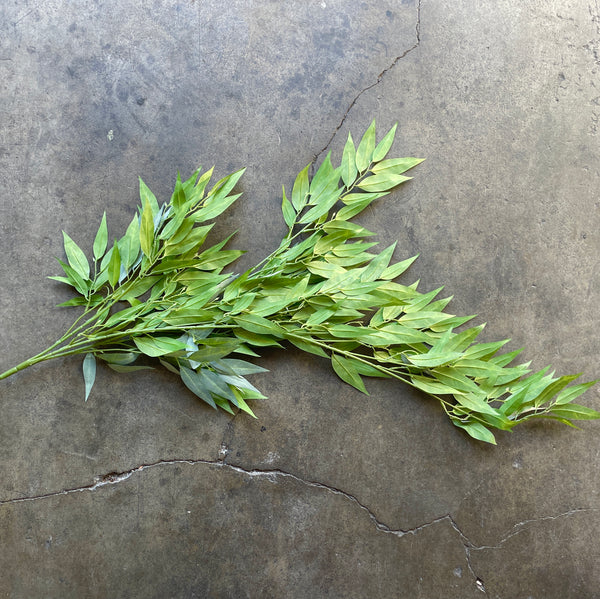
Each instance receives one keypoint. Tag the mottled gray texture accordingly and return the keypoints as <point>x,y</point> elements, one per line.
<point>329,493</point>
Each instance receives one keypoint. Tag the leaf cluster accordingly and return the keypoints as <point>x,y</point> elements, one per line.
<point>158,293</point>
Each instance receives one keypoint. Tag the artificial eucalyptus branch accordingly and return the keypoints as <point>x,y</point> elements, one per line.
<point>158,293</point>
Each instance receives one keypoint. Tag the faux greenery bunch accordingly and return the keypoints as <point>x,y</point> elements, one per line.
<point>157,292</point>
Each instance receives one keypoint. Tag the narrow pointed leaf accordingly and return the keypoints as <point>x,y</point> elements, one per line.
<point>89,373</point>
<point>364,153</point>
<point>383,147</point>
<point>289,214</point>
<point>300,189</point>
<point>347,372</point>
<point>76,257</point>
<point>101,239</point>
<point>348,167</point>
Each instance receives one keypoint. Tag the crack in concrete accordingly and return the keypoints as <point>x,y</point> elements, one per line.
<point>468,546</point>
<point>516,529</point>
<point>521,526</point>
<point>113,478</point>
<point>377,82</point>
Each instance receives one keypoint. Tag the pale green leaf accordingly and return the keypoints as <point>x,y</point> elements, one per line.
<point>347,372</point>
<point>76,258</point>
<point>89,373</point>
<point>101,239</point>
<point>396,166</point>
<point>147,229</point>
<point>289,214</point>
<point>382,182</point>
<point>364,153</point>
<point>348,166</point>
<point>477,431</point>
<point>383,147</point>
<point>300,189</point>
<point>158,346</point>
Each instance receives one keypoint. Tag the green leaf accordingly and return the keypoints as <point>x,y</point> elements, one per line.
<point>289,214</point>
<point>573,411</point>
<point>255,338</point>
<point>325,177</point>
<point>243,405</point>
<point>569,394</point>
<point>347,372</point>
<point>121,358</point>
<point>147,196</point>
<point>158,346</point>
<point>364,153</point>
<point>352,229</point>
<point>241,367</point>
<point>477,431</point>
<point>197,385</point>
<point>213,349</point>
<point>422,319</point>
<point>395,270</point>
<point>382,182</point>
<point>178,197</point>
<point>147,229</point>
<point>259,325</point>
<point>75,279</point>
<point>378,265</point>
<point>432,386</point>
<point>101,239</point>
<point>431,360</point>
<point>396,166</point>
<point>383,147</point>
<point>300,189</point>
<point>348,167</point>
<point>326,202</point>
<point>193,240</point>
<point>307,345</point>
<point>76,258</point>
<point>89,373</point>
<point>217,200</point>
<point>129,246</point>
<point>124,369</point>
<point>114,266</point>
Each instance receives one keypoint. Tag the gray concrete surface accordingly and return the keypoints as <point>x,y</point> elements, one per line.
<point>141,491</point>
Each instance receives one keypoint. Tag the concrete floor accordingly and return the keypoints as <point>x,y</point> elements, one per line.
<point>143,492</point>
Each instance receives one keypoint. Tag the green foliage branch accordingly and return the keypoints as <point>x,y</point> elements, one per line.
<point>156,292</point>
